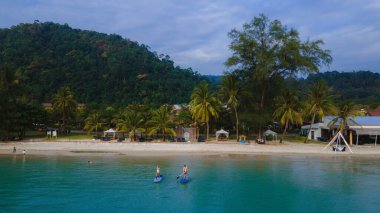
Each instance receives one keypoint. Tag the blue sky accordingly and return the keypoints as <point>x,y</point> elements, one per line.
<point>194,33</point>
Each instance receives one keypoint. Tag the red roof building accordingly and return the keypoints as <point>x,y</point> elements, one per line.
<point>375,112</point>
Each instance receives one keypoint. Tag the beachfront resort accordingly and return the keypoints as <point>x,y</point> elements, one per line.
<point>191,106</point>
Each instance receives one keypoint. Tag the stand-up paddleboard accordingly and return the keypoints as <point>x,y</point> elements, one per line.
<point>184,179</point>
<point>158,179</point>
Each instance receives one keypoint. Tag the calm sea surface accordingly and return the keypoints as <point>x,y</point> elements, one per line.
<point>227,183</point>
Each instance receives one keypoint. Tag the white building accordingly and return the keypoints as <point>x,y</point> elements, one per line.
<point>363,126</point>
<point>319,130</point>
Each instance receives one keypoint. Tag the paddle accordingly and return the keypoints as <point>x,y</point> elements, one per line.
<point>179,175</point>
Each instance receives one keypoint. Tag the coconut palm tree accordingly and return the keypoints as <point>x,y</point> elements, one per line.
<point>204,104</point>
<point>230,91</point>
<point>129,120</point>
<point>288,109</point>
<point>65,105</point>
<point>93,122</point>
<point>161,122</point>
<point>346,113</point>
<point>320,102</point>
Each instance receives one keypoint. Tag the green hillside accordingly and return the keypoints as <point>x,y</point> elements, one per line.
<point>99,68</point>
<point>362,87</point>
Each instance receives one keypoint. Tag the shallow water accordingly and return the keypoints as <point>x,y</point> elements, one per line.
<point>226,183</point>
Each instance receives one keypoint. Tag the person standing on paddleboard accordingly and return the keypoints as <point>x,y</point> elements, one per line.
<point>158,174</point>
<point>185,170</point>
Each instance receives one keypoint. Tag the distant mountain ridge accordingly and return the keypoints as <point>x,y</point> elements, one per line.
<point>99,68</point>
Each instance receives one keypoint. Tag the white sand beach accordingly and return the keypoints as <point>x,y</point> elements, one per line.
<point>89,147</point>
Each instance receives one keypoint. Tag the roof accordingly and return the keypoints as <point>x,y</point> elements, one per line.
<point>375,112</point>
<point>270,132</point>
<point>315,126</point>
<point>176,107</point>
<point>221,132</point>
<point>367,121</point>
<point>110,131</point>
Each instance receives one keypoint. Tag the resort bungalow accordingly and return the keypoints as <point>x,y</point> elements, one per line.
<point>319,131</point>
<point>365,129</point>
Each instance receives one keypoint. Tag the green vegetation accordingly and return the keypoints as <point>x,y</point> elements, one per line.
<point>161,122</point>
<point>204,105</point>
<point>346,113</point>
<point>126,86</point>
<point>230,90</point>
<point>362,87</point>
<point>288,109</point>
<point>266,54</point>
<point>98,68</point>
<point>93,123</point>
<point>320,102</point>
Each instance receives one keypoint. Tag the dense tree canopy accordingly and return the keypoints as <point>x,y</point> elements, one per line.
<point>97,67</point>
<point>362,87</point>
<point>264,54</point>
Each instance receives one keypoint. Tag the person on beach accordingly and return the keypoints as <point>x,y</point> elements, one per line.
<point>14,149</point>
<point>158,174</point>
<point>24,152</point>
<point>185,170</point>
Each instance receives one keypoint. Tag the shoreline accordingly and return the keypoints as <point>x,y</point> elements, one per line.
<point>91,148</point>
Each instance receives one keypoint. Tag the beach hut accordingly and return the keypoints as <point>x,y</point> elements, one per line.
<point>271,133</point>
<point>221,134</point>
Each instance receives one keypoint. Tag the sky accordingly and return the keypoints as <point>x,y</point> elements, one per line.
<point>194,33</point>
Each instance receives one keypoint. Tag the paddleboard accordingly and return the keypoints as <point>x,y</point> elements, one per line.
<point>184,180</point>
<point>158,179</point>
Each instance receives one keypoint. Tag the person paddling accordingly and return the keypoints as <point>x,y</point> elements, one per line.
<point>158,174</point>
<point>185,170</point>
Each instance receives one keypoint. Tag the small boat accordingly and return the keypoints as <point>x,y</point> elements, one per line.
<point>184,179</point>
<point>158,179</point>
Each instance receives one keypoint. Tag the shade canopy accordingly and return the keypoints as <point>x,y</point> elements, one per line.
<point>270,132</point>
<point>110,131</point>
<point>221,132</point>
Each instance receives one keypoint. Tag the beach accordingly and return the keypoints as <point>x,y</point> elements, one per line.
<point>91,147</point>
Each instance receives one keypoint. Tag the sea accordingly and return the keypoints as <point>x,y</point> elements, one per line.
<point>218,183</point>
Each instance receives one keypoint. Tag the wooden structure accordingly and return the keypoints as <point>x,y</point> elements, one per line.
<point>338,138</point>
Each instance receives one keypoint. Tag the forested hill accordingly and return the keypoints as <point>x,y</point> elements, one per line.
<point>363,87</point>
<point>96,66</point>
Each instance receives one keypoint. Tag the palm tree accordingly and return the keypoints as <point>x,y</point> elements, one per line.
<point>347,111</point>
<point>65,105</point>
<point>93,122</point>
<point>130,120</point>
<point>161,122</point>
<point>204,104</point>
<point>320,102</point>
<point>230,91</point>
<point>288,109</point>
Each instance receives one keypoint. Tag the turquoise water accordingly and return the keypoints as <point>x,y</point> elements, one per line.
<point>228,183</point>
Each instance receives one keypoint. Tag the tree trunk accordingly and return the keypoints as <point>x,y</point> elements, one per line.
<point>237,125</point>
<point>286,126</point>
<point>312,122</point>
<point>163,135</point>
<point>207,131</point>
